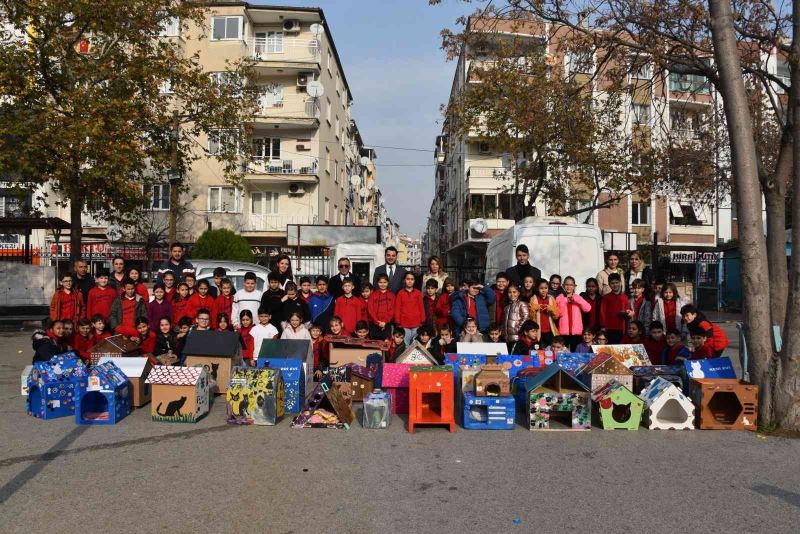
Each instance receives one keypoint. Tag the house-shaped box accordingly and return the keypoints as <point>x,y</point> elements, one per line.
<point>462,361</point>
<point>344,350</point>
<point>395,382</point>
<point>254,396</point>
<point>24,380</point>
<point>467,374</point>
<point>325,408</point>
<point>179,394</point>
<point>725,404</point>
<point>288,349</point>
<point>431,396</point>
<point>514,363</point>
<point>54,385</point>
<point>488,413</point>
<point>643,375</point>
<point>377,409</point>
<point>294,380</point>
<point>554,399</point>
<point>113,347</point>
<point>617,407</point>
<point>105,396</point>
<point>628,355</point>
<point>709,368</point>
<point>573,361</point>
<point>602,369</point>
<point>217,352</point>
<point>492,381</point>
<point>666,407</point>
<point>416,354</point>
<point>362,381</point>
<point>136,369</point>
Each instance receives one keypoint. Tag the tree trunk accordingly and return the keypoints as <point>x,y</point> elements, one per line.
<point>774,188</point>
<point>755,282</point>
<point>76,226</point>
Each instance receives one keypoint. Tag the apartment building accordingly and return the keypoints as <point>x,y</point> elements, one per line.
<point>471,201</point>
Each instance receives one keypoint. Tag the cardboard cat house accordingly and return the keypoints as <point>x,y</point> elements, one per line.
<point>431,400</point>
<point>395,381</point>
<point>294,380</point>
<point>377,412</point>
<point>344,350</point>
<point>54,385</point>
<point>113,347</point>
<point>24,380</point>
<point>217,352</point>
<point>666,407</point>
<point>628,355</point>
<point>255,396</point>
<point>461,361</point>
<point>105,396</point>
<point>289,349</point>
<point>325,408</point>
<point>725,404</point>
<point>514,363</point>
<point>602,369</point>
<point>711,368</point>
<point>554,399</point>
<point>643,375</point>
<point>416,354</point>
<point>467,378</point>
<point>492,381</point>
<point>617,407</point>
<point>361,380</point>
<point>179,394</point>
<point>488,413</point>
<point>573,361</point>
<point>136,369</point>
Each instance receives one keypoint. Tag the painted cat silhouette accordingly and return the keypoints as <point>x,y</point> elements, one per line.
<point>173,408</point>
<point>214,368</point>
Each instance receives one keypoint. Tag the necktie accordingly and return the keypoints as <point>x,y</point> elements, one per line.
<point>391,272</point>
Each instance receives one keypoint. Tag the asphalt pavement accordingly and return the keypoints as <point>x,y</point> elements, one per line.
<point>144,476</point>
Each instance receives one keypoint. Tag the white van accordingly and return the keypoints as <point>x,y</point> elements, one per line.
<point>364,258</point>
<point>557,245</point>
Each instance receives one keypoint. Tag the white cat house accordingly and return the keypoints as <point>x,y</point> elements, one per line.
<point>666,407</point>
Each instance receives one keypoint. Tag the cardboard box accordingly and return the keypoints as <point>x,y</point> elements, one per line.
<point>217,352</point>
<point>284,349</point>
<point>554,399</point>
<point>325,408</point>
<point>362,381</point>
<point>514,363</point>
<point>255,396</point>
<point>377,412</point>
<point>431,397</point>
<point>492,381</point>
<point>54,385</point>
<point>666,407</point>
<point>294,380</point>
<point>344,350</point>
<point>617,407</point>
<point>572,361</point>
<point>488,413</point>
<point>602,369</point>
<point>644,375</point>
<point>136,369</point>
<point>395,381</point>
<point>105,396</point>
<point>725,404</point>
<point>416,354</point>
<point>710,368</point>
<point>113,347</point>
<point>179,394</point>
<point>628,355</point>
<point>24,380</point>
<point>456,361</point>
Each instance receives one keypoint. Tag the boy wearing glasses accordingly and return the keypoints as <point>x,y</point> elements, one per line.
<point>66,303</point>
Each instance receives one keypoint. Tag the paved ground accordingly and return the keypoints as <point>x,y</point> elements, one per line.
<point>212,477</point>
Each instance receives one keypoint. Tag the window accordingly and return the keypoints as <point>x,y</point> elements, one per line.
<point>335,214</point>
<point>640,213</point>
<point>688,83</point>
<point>641,113</point>
<point>330,61</point>
<point>159,196</point>
<point>327,210</point>
<point>9,205</point>
<point>263,203</point>
<point>271,96</point>
<point>689,215</point>
<point>783,72</point>
<point>506,206</point>
<point>585,217</point>
<point>275,42</point>
<point>483,206</point>
<point>170,27</point>
<point>226,28</point>
<point>267,148</point>
<point>223,199</point>
<point>580,62</point>
<point>641,69</point>
<point>328,160</point>
<point>328,111</point>
<point>223,78</point>
<point>221,140</point>
<point>338,128</point>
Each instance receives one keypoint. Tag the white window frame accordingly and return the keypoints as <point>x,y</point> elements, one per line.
<point>638,208</point>
<point>271,96</point>
<point>170,27</point>
<point>641,113</point>
<point>215,140</point>
<point>328,111</point>
<point>226,37</point>
<point>338,127</point>
<point>219,189</point>
<point>274,44</point>
<point>271,148</point>
<point>162,195</point>
<point>644,72</point>
<point>575,63</point>
<point>268,200</point>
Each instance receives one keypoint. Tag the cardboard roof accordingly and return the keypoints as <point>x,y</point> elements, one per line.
<point>285,348</point>
<point>132,367</point>
<point>212,343</point>
<point>605,364</point>
<point>535,381</point>
<point>330,399</point>
<point>574,361</point>
<point>174,376</point>
<point>382,345</point>
<point>396,375</point>
<point>115,344</point>
<point>414,353</point>
<point>613,386</point>
<point>60,367</point>
<point>111,376</point>
<point>360,370</point>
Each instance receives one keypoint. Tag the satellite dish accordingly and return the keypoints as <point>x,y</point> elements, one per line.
<point>364,161</point>
<point>355,180</point>
<point>113,232</point>
<point>479,226</point>
<point>317,29</point>
<point>315,89</point>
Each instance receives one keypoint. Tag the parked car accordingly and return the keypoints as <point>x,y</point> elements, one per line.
<point>235,272</point>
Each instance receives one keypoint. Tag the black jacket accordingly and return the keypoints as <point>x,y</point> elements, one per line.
<point>45,348</point>
<point>647,278</point>
<point>167,343</point>
<point>178,270</point>
<point>289,306</point>
<point>271,301</point>
<point>84,284</point>
<point>438,350</point>
<point>518,272</point>
<point>335,286</point>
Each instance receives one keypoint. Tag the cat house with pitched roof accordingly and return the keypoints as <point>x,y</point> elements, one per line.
<point>218,353</point>
<point>290,349</point>
<point>255,396</point>
<point>666,407</point>
<point>617,407</point>
<point>643,375</point>
<point>136,369</point>
<point>416,354</point>
<point>602,369</point>
<point>113,347</point>
<point>325,408</point>
<point>492,381</point>
<point>105,396</point>
<point>554,399</point>
<point>179,394</point>
<point>54,385</point>
<point>294,380</point>
<point>431,400</point>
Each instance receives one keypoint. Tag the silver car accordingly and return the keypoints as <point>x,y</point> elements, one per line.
<point>235,271</point>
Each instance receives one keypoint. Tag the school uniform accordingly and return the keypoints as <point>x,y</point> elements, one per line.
<point>100,301</point>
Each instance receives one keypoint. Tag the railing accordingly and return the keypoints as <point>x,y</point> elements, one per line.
<point>283,49</point>
<point>488,172</point>
<point>288,106</point>
<point>266,165</point>
<point>685,134</point>
<point>273,223</point>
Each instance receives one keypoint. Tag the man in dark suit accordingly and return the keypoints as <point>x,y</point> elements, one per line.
<point>335,284</point>
<point>518,272</point>
<point>395,272</point>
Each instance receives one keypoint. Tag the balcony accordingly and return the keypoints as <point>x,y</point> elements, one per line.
<point>296,109</point>
<point>271,54</point>
<point>298,169</point>
<point>272,222</point>
<point>499,173</point>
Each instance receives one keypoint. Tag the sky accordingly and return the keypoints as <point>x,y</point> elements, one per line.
<point>399,77</point>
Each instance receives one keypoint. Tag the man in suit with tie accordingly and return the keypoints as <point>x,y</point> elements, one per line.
<point>395,272</point>
<point>335,284</point>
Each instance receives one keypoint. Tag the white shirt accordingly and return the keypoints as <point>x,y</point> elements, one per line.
<point>260,333</point>
<point>244,300</point>
<point>291,333</point>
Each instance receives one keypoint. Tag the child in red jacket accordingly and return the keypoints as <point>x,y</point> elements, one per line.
<point>409,311</point>
<point>716,339</point>
<point>429,302</point>
<point>655,342</point>
<point>614,310</point>
<point>180,301</point>
<point>248,343</point>
<point>82,342</point>
<point>700,348</point>
<point>320,350</point>
<point>101,297</point>
<point>99,331</point>
<point>224,301</point>
<point>381,310</point>
<point>202,300</point>
<point>349,308</point>
<point>146,338</point>
<point>443,304</point>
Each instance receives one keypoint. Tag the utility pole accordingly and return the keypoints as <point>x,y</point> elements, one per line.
<point>174,177</point>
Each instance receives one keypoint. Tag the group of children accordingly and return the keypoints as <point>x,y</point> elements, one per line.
<point>532,315</point>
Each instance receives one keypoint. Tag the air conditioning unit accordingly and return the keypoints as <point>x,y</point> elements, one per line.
<point>303,79</point>
<point>297,189</point>
<point>291,26</point>
<point>303,148</point>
